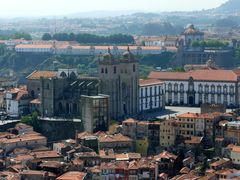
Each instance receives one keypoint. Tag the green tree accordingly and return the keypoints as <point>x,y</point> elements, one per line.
<point>31,120</point>
<point>46,37</point>
<point>20,35</point>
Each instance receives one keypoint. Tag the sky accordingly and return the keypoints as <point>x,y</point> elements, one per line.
<point>15,8</point>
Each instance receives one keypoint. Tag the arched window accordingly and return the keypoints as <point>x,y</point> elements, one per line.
<point>32,94</point>
<point>175,87</point>
<point>225,89</point>
<point>169,87</point>
<point>181,87</point>
<point>219,89</point>
<point>63,74</point>
<point>75,108</point>
<point>212,88</point>
<point>73,75</point>
<point>206,89</point>
<point>60,107</point>
<point>200,87</point>
<point>67,108</point>
<point>102,71</point>
<point>106,70</point>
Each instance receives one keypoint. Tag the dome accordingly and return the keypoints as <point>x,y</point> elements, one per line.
<point>128,55</point>
<point>191,30</point>
<point>108,55</point>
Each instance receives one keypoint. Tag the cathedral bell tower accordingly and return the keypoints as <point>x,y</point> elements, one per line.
<point>119,79</point>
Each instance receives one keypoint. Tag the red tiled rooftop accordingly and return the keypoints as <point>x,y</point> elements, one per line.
<point>44,74</point>
<point>150,82</point>
<point>197,75</point>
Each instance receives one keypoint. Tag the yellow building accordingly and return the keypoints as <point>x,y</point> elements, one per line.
<point>168,132</point>
<point>187,124</point>
<point>142,146</point>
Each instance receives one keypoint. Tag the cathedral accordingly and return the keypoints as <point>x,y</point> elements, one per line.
<point>61,93</point>
<point>119,79</point>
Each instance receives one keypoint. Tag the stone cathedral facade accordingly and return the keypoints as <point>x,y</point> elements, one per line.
<point>119,77</point>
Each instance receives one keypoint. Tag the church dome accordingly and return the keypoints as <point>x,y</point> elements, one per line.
<point>108,55</point>
<point>128,55</point>
<point>191,30</point>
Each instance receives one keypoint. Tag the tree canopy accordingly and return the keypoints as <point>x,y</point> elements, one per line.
<point>20,35</point>
<point>31,120</point>
<point>46,37</point>
<point>85,38</point>
<point>210,43</point>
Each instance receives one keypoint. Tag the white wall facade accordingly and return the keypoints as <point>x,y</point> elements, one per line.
<point>152,97</point>
<point>179,92</point>
<point>12,106</point>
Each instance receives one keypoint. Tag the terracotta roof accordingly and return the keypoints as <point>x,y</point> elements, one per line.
<point>163,175</point>
<point>227,171</point>
<point>114,138</point>
<point>35,172</point>
<point>21,93</point>
<point>27,137</point>
<point>235,149</point>
<point>34,46</point>
<point>197,75</point>
<point>95,169</point>
<point>165,155</point>
<point>220,162</point>
<point>46,154</point>
<point>44,74</point>
<point>186,176</point>
<point>130,120</point>
<point>194,140</point>
<point>188,115</point>
<point>51,164</point>
<point>35,101</point>
<point>84,135</point>
<point>150,82</point>
<point>191,30</point>
<point>185,170</point>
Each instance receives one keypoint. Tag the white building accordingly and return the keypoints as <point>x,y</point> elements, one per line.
<point>35,48</point>
<point>200,86</point>
<point>17,102</point>
<point>151,95</point>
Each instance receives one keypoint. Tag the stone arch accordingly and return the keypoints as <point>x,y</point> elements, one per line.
<point>60,107</point>
<point>75,107</point>
<point>32,94</point>
<point>63,74</point>
<point>73,75</point>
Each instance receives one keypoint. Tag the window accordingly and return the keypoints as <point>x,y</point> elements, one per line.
<point>169,87</point>
<point>115,70</point>
<point>219,89</point>
<point>134,68</point>
<point>231,89</point>
<point>225,99</point>
<point>106,71</point>
<point>225,89</point>
<point>200,88</point>
<point>175,87</point>
<point>181,87</point>
<point>212,89</point>
<point>219,99</point>
<point>206,89</point>
<point>212,99</point>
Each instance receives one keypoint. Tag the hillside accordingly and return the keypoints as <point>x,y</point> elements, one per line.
<point>231,6</point>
